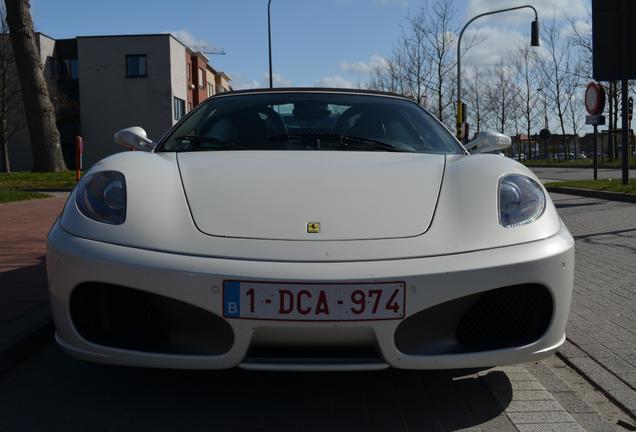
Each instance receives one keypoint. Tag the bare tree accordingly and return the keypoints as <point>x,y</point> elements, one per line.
<point>556,70</point>
<point>408,68</point>
<point>524,61</point>
<point>422,65</point>
<point>40,112</point>
<point>572,91</point>
<point>501,96</point>
<point>388,77</point>
<point>10,95</point>
<point>476,90</point>
<point>581,39</point>
<point>413,57</point>
<point>436,20</point>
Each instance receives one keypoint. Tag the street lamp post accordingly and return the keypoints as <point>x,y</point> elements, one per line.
<point>545,109</point>
<point>534,36</point>
<point>269,36</point>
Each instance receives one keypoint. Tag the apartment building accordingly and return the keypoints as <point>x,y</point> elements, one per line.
<point>106,83</point>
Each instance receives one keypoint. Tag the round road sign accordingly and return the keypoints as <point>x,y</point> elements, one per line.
<point>594,98</point>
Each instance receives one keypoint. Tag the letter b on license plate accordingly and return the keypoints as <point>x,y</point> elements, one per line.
<point>313,302</point>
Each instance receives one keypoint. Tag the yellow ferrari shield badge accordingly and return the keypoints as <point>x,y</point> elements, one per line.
<point>313,227</point>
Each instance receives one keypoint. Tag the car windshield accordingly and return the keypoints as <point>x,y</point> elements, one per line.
<point>310,121</point>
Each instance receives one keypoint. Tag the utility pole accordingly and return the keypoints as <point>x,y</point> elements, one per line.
<point>610,127</point>
<point>269,36</point>
<point>625,127</point>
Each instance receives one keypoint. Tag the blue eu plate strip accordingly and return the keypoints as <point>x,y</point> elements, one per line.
<point>232,299</point>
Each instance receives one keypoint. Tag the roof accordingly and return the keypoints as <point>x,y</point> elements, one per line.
<point>45,35</point>
<point>132,36</point>
<point>224,75</point>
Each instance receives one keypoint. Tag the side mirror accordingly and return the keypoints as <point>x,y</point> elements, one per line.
<point>488,141</point>
<point>134,138</point>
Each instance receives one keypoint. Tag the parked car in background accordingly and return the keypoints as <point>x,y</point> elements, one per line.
<point>599,155</point>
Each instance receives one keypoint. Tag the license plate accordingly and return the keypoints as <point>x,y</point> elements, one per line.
<point>313,302</point>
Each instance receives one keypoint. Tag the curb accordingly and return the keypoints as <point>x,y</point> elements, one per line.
<point>599,376</point>
<point>631,167</point>
<point>60,190</point>
<point>611,196</point>
<point>24,336</point>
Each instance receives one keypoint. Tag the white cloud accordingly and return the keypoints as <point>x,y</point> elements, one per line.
<point>363,68</point>
<point>494,43</point>
<point>545,8</point>
<point>334,82</point>
<point>278,81</point>
<point>582,27</point>
<point>240,83</point>
<point>190,40</point>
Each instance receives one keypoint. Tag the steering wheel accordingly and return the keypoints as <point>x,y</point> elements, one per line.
<point>345,117</point>
<point>276,118</point>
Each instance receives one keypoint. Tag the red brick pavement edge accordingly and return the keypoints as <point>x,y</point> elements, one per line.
<point>24,312</point>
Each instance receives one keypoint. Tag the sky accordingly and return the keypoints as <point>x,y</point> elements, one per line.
<point>315,42</point>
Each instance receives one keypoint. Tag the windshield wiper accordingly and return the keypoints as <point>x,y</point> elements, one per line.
<point>344,141</point>
<point>196,142</point>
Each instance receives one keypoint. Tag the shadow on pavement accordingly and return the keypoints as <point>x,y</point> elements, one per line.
<point>52,390</point>
<point>22,289</point>
<point>562,206</point>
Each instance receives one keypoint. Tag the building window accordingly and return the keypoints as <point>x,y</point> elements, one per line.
<point>189,71</point>
<point>201,78</point>
<point>179,108</point>
<point>68,69</point>
<point>210,89</point>
<point>136,66</point>
<point>49,68</point>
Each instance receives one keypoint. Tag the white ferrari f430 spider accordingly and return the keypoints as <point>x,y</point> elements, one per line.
<point>309,229</point>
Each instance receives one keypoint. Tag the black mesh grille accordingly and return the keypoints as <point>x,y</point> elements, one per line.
<point>506,317</point>
<point>122,317</point>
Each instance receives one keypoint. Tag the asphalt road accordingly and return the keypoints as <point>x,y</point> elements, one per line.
<point>53,392</point>
<point>560,174</point>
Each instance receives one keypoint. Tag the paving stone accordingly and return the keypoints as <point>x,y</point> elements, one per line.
<point>539,406</point>
<point>551,427</point>
<point>540,417</point>
<point>515,386</point>
<point>594,423</point>
<point>570,350</point>
<point>630,379</point>
<point>573,404</point>
<point>603,307</point>
<point>524,395</point>
<point>627,397</point>
<point>601,376</point>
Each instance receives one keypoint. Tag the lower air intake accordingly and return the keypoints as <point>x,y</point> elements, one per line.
<point>506,317</point>
<point>121,317</point>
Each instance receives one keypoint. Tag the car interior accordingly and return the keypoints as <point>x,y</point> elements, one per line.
<point>309,125</point>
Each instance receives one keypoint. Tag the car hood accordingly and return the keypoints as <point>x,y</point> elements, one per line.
<point>276,194</point>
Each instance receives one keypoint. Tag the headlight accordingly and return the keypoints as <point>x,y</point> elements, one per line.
<point>521,200</point>
<point>102,197</point>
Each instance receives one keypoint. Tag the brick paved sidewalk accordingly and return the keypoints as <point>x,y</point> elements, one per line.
<point>602,327</point>
<point>23,229</point>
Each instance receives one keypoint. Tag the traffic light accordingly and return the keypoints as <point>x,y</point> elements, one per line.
<point>630,108</point>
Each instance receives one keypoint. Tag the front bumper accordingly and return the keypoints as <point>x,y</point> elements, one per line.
<point>198,281</point>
